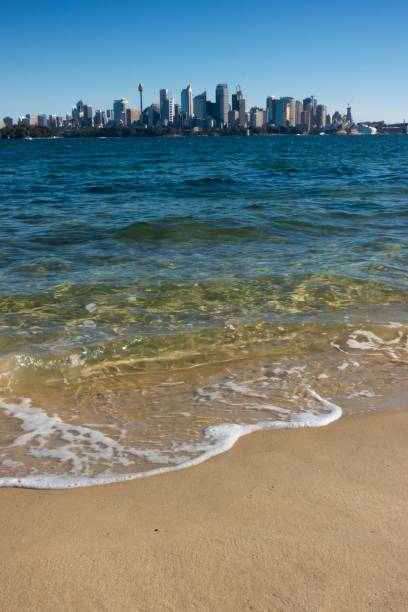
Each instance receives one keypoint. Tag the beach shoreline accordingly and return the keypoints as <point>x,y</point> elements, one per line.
<point>306,519</point>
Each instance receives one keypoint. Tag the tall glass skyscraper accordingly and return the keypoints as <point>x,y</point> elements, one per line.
<point>166,106</point>
<point>187,101</point>
<point>200,105</point>
<point>221,100</point>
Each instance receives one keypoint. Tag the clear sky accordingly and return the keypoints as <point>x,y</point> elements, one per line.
<point>52,54</point>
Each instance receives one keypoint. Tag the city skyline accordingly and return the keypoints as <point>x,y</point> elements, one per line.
<point>198,112</point>
<point>354,53</point>
<point>154,98</point>
<point>228,113</point>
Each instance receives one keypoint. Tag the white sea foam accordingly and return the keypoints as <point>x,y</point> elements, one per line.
<point>82,447</point>
<point>372,341</point>
<point>76,361</point>
<point>362,393</point>
<point>242,389</point>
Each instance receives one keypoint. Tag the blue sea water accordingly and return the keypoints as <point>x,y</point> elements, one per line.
<point>153,289</point>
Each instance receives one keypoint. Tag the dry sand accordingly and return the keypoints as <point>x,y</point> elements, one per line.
<point>288,520</point>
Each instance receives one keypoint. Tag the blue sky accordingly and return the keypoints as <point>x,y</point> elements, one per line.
<point>53,54</point>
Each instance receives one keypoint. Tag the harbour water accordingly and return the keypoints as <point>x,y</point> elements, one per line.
<point>161,297</point>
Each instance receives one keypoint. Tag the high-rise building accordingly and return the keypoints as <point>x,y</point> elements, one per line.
<point>291,111</point>
<point>119,111</point>
<point>306,120</point>
<point>211,109</point>
<point>233,118</point>
<point>320,119</point>
<point>238,104</point>
<point>8,122</point>
<point>164,94</point>
<point>132,116</point>
<point>151,115</point>
<point>99,118</point>
<point>221,100</point>
<point>87,116</point>
<point>298,112</point>
<point>186,106</point>
<point>168,116</point>
<point>176,117</point>
<point>43,120</point>
<point>285,112</point>
<point>271,109</point>
<point>257,117</point>
<point>310,104</point>
<point>200,105</point>
<point>30,120</point>
<point>166,107</point>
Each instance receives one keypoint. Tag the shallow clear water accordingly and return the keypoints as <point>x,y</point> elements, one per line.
<point>158,297</point>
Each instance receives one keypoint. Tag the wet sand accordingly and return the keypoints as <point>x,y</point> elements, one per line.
<point>302,520</point>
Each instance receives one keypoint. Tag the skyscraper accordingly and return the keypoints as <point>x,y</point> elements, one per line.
<point>164,94</point>
<point>200,105</point>
<point>321,112</point>
<point>187,101</point>
<point>170,109</point>
<point>221,100</point>
<point>238,104</point>
<point>233,118</point>
<point>87,117</point>
<point>298,112</point>
<point>119,111</point>
<point>306,120</point>
<point>166,107</point>
<point>309,104</point>
<point>285,112</point>
<point>271,109</point>
<point>99,118</point>
<point>132,116</point>
<point>30,120</point>
<point>43,120</point>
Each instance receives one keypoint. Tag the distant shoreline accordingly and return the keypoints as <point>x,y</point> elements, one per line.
<point>28,133</point>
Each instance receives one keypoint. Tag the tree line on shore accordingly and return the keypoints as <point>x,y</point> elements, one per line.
<point>21,132</point>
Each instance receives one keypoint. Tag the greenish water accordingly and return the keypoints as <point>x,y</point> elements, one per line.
<point>153,290</point>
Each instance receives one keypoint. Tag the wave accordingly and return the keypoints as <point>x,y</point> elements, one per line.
<point>81,445</point>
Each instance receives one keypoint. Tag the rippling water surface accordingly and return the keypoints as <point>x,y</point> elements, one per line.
<point>161,297</point>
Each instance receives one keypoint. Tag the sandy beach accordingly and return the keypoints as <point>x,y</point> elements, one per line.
<point>288,520</point>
